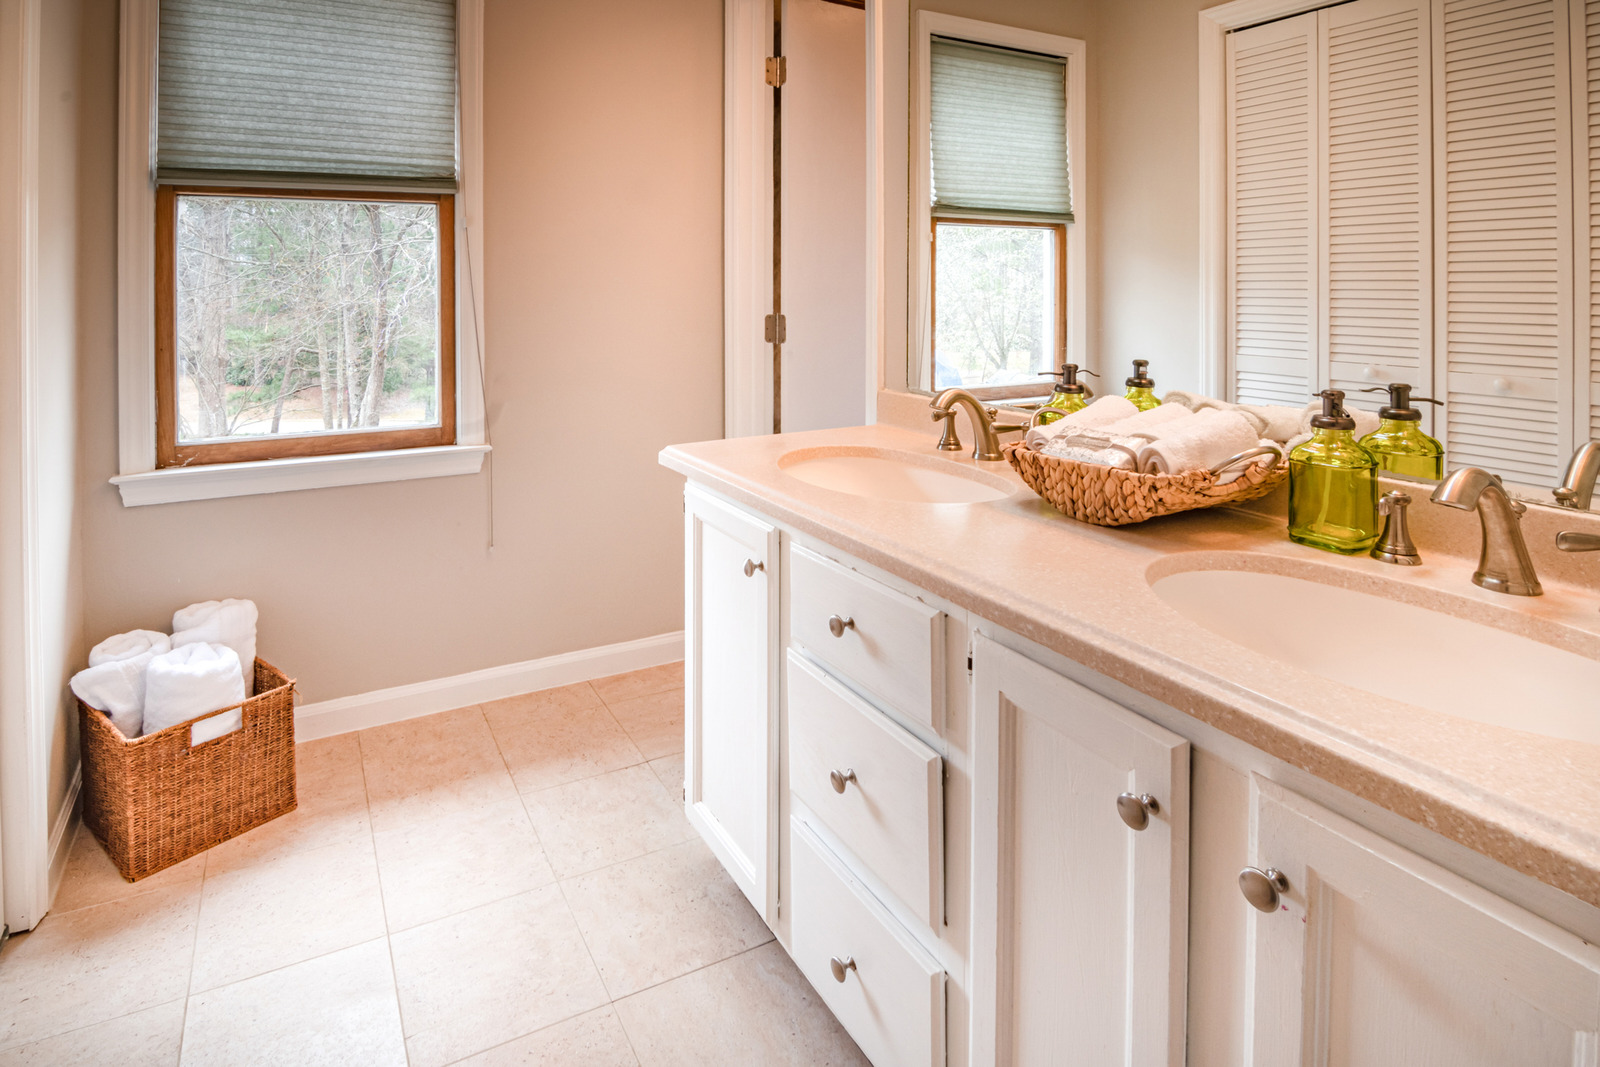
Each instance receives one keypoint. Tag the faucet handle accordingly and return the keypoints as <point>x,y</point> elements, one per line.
<point>1570,541</point>
<point>948,441</point>
<point>1395,544</point>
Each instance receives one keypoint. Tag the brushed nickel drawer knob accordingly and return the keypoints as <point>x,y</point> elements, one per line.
<point>841,968</point>
<point>1263,888</point>
<point>1136,810</point>
<point>837,625</point>
<point>841,781</point>
<point>751,566</point>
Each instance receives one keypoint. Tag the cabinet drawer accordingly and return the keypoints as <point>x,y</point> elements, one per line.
<point>890,812</point>
<point>888,644</point>
<point>892,1000</point>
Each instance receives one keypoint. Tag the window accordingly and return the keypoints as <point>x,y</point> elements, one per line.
<point>298,166</point>
<point>997,312</point>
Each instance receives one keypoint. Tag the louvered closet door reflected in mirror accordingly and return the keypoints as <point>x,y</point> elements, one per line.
<point>1412,197</point>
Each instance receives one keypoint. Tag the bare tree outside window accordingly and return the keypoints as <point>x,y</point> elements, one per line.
<point>301,316</point>
<point>996,302</point>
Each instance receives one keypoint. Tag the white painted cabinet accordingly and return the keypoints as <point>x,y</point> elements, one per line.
<point>1079,933</point>
<point>1375,956</point>
<point>730,678</point>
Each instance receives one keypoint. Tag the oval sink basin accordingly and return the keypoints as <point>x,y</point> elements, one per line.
<point>1398,650</point>
<point>884,474</point>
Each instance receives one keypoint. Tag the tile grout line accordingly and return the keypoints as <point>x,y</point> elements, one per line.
<point>383,904</point>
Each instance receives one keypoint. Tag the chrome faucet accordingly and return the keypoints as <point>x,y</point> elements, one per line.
<point>1504,566</point>
<point>1577,484</point>
<point>988,443</point>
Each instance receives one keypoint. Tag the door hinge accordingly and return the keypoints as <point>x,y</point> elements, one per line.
<point>777,329</point>
<point>777,70</point>
<point>969,666</point>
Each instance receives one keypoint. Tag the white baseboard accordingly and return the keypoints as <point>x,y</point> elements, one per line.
<point>329,717</point>
<point>64,829</point>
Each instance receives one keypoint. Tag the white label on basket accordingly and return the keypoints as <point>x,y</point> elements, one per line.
<point>214,727</point>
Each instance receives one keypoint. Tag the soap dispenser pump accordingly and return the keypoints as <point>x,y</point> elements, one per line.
<point>1333,484</point>
<point>1141,387</point>
<point>1069,395</point>
<point>1398,442</point>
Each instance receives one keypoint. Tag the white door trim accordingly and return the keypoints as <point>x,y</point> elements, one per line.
<point>25,698</point>
<point>747,217</point>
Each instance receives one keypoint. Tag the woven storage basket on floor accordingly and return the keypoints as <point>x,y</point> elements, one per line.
<point>156,800</point>
<point>1107,496</point>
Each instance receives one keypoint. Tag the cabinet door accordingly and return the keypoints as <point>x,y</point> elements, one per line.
<point>1375,956</point>
<point>730,721</point>
<point>1080,931</point>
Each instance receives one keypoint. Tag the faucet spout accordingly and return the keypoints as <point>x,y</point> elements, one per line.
<point>1577,484</point>
<point>987,446</point>
<point>1504,565</point>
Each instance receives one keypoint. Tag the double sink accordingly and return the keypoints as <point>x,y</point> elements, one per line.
<point>1395,639</point>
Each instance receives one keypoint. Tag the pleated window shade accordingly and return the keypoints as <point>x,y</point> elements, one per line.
<point>999,131</point>
<point>357,88</point>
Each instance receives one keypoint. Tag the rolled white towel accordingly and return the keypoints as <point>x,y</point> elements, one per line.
<point>114,682</point>
<point>1279,422</point>
<point>1198,443</point>
<point>1149,420</point>
<point>1276,422</point>
<point>1097,448</point>
<point>116,689</point>
<point>221,622</point>
<point>131,645</point>
<point>191,680</point>
<point>1103,412</point>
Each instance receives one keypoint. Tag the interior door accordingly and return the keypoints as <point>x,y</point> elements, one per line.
<point>822,245</point>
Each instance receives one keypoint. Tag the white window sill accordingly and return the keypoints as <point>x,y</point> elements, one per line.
<point>214,480</point>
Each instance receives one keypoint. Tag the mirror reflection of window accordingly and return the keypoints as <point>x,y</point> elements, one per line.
<point>1001,203</point>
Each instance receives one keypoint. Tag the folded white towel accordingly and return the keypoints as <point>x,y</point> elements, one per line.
<point>221,622</point>
<point>117,689</point>
<point>114,682</point>
<point>1103,412</point>
<point>192,680</point>
<point>1198,443</point>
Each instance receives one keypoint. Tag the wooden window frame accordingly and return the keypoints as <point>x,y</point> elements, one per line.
<point>171,453</point>
<point>1059,357</point>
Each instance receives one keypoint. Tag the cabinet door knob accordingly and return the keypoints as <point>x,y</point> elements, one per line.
<point>837,625</point>
<point>1136,810</point>
<point>751,566</point>
<point>841,968</point>
<point>1262,888</point>
<point>840,781</point>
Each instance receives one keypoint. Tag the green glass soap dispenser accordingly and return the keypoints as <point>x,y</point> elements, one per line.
<point>1398,442</point>
<point>1141,387</point>
<point>1333,484</point>
<point>1070,394</point>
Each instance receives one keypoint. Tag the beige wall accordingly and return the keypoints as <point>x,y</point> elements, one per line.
<point>603,241</point>
<point>1146,67</point>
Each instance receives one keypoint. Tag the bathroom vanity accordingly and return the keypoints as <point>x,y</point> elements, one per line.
<point>1008,795</point>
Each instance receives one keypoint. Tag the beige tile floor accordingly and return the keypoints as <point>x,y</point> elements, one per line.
<point>510,883</point>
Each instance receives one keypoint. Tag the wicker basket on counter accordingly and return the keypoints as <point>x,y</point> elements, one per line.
<point>1107,496</point>
<point>156,800</point>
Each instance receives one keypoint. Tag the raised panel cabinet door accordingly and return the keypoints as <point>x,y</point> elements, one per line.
<point>1080,928</point>
<point>1374,956</point>
<point>730,720</point>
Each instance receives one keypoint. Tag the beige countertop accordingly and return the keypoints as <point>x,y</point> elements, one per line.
<point>1525,800</point>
